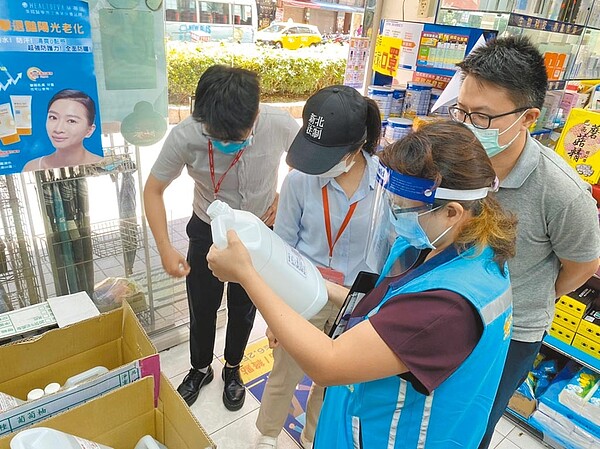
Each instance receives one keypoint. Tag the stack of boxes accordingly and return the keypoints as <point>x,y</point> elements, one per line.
<point>577,320</point>
<point>116,409</point>
<point>588,334</point>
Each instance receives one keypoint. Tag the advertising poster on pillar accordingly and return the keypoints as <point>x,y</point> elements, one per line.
<point>48,96</point>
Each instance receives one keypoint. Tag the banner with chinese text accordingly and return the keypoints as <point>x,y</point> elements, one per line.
<point>49,112</point>
<point>579,143</point>
<point>387,55</point>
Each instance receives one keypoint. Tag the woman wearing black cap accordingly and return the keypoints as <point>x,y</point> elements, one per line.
<point>324,210</point>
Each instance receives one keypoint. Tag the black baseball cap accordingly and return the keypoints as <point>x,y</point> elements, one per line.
<point>334,124</point>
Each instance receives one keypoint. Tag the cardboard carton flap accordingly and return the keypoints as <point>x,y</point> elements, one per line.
<point>120,418</point>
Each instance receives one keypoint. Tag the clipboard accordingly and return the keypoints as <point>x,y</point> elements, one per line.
<point>363,284</point>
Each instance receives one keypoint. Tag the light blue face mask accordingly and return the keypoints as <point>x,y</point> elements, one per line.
<point>489,137</point>
<point>410,235</point>
<point>231,147</point>
<point>407,226</point>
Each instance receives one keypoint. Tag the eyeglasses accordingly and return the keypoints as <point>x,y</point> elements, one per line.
<point>398,209</point>
<point>209,137</point>
<point>479,120</point>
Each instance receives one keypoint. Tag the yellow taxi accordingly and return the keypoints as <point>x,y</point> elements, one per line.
<point>289,35</point>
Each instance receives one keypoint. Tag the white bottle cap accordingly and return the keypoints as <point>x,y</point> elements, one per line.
<point>217,208</point>
<point>34,394</point>
<point>52,388</point>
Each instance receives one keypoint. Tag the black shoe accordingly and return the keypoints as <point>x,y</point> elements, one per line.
<point>234,392</point>
<point>190,387</point>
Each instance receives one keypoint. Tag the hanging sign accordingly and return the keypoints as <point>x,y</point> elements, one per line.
<point>356,67</point>
<point>387,55</point>
<point>48,94</point>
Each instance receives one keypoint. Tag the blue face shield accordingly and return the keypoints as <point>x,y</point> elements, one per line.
<point>231,147</point>
<point>397,233</point>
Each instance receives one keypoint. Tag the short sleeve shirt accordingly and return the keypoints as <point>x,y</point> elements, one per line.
<point>250,184</point>
<point>558,219</point>
<point>300,219</point>
<point>431,332</point>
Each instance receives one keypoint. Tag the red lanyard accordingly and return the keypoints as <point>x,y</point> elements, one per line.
<point>211,163</point>
<point>328,221</point>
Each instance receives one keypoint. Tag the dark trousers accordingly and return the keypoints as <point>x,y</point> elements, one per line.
<point>519,362</point>
<point>204,293</point>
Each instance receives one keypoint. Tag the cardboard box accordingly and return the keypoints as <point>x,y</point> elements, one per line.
<point>566,320</point>
<point>577,303</point>
<point>115,340</point>
<point>586,345</point>
<point>589,326</point>
<point>562,333</point>
<point>120,418</point>
<point>522,405</point>
<point>58,311</point>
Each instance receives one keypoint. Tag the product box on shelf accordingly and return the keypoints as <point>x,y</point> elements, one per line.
<point>566,320</point>
<point>589,327</point>
<point>114,340</point>
<point>577,303</point>
<point>121,417</point>
<point>550,404</point>
<point>562,333</point>
<point>579,143</point>
<point>522,405</point>
<point>586,345</point>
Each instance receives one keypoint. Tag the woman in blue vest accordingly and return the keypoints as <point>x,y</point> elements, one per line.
<point>418,360</point>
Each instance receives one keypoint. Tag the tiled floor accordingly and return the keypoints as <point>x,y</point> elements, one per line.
<point>237,430</point>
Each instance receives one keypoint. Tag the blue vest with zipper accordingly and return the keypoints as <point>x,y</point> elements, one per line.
<point>390,414</point>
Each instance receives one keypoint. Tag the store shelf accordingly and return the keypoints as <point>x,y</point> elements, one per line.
<point>539,24</point>
<point>573,353</point>
<point>532,429</point>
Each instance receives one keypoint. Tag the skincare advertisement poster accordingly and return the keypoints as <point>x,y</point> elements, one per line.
<point>49,111</point>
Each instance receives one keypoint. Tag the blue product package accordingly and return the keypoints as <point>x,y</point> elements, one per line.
<point>550,398</point>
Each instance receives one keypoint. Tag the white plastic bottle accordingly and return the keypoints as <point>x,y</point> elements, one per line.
<point>290,274</point>
<point>147,442</point>
<point>51,388</point>
<point>7,402</point>
<point>73,381</point>
<point>46,438</point>
<point>34,394</point>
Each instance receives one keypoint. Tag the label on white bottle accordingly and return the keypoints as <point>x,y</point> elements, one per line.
<point>7,402</point>
<point>86,444</point>
<point>296,260</point>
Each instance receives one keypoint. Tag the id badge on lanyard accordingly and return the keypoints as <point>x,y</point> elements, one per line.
<point>337,277</point>
<point>364,283</point>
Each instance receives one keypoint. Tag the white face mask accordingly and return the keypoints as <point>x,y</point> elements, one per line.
<point>338,169</point>
<point>489,137</point>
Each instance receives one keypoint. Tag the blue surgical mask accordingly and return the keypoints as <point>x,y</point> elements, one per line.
<point>410,233</point>
<point>407,226</point>
<point>231,147</point>
<point>489,137</point>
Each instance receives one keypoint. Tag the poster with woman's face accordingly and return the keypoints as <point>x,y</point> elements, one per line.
<point>49,112</point>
